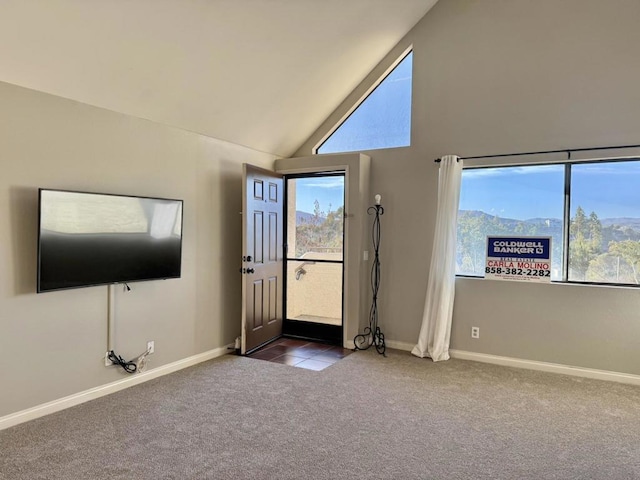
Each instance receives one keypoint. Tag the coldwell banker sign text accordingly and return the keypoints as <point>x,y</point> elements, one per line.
<point>518,258</point>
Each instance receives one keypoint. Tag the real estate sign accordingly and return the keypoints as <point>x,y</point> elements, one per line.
<point>518,258</point>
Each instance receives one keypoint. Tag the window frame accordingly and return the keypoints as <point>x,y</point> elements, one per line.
<point>363,99</point>
<point>567,164</point>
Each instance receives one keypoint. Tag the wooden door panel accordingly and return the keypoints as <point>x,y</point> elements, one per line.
<point>273,237</point>
<point>258,236</point>
<point>273,192</point>
<point>258,189</point>
<point>272,304</point>
<point>257,300</point>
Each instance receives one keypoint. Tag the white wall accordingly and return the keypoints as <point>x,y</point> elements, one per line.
<point>500,76</point>
<point>52,344</point>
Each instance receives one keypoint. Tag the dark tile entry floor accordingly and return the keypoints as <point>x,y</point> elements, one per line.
<point>301,353</point>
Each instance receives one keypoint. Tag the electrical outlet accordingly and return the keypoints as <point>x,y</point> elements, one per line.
<point>151,346</point>
<point>475,332</point>
<point>107,362</point>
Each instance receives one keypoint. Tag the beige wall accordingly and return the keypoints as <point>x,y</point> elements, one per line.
<point>318,292</point>
<point>498,76</point>
<point>52,344</point>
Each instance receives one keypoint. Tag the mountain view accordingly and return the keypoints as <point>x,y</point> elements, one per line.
<point>600,250</point>
<point>319,231</point>
<point>306,217</point>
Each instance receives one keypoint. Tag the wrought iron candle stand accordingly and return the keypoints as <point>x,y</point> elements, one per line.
<point>372,335</point>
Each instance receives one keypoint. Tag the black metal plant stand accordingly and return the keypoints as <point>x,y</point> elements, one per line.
<point>372,335</point>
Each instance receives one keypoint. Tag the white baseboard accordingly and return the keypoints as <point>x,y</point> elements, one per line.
<point>531,364</point>
<point>547,367</point>
<point>97,392</point>
<point>407,347</point>
<point>388,343</point>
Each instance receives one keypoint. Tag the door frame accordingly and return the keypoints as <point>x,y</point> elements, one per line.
<point>302,329</point>
<point>356,167</point>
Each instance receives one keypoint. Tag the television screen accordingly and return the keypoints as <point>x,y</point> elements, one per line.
<point>87,239</point>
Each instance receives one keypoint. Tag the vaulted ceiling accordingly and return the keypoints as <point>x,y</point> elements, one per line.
<point>259,73</point>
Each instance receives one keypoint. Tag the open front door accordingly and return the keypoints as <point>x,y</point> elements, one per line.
<point>262,256</point>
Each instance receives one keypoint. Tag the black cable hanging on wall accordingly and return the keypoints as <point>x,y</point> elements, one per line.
<point>372,335</point>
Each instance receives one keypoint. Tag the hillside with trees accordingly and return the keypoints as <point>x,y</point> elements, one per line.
<point>319,231</point>
<point>606,250</point>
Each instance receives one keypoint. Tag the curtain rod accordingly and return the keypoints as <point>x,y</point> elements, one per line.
<point>564,150</point>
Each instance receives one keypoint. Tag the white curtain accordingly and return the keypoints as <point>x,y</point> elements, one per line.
<point>438,309</point>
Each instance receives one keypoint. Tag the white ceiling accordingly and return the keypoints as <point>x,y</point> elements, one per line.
<point>259,73</point>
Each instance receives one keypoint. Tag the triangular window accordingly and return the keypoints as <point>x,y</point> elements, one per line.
<point>381,120</point>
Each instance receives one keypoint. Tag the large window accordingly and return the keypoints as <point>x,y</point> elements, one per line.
<point>603,231</point>
<point>381,120</point>
<point>604,242</point>
<point>519,201</point>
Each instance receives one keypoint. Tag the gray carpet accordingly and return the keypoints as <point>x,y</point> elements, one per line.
<point>364,417</point>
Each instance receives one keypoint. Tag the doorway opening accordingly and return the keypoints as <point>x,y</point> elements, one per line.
<point>314,256</point>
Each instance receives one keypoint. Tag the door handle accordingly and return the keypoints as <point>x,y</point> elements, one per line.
<point>250,270</point>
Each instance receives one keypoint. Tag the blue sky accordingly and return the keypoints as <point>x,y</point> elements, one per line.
<point>610,189</point>
<point>382,120</point>
<point>327,190</point>
<point>515,192</point>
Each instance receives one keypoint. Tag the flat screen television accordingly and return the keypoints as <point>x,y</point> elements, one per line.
<point>87,239</point>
